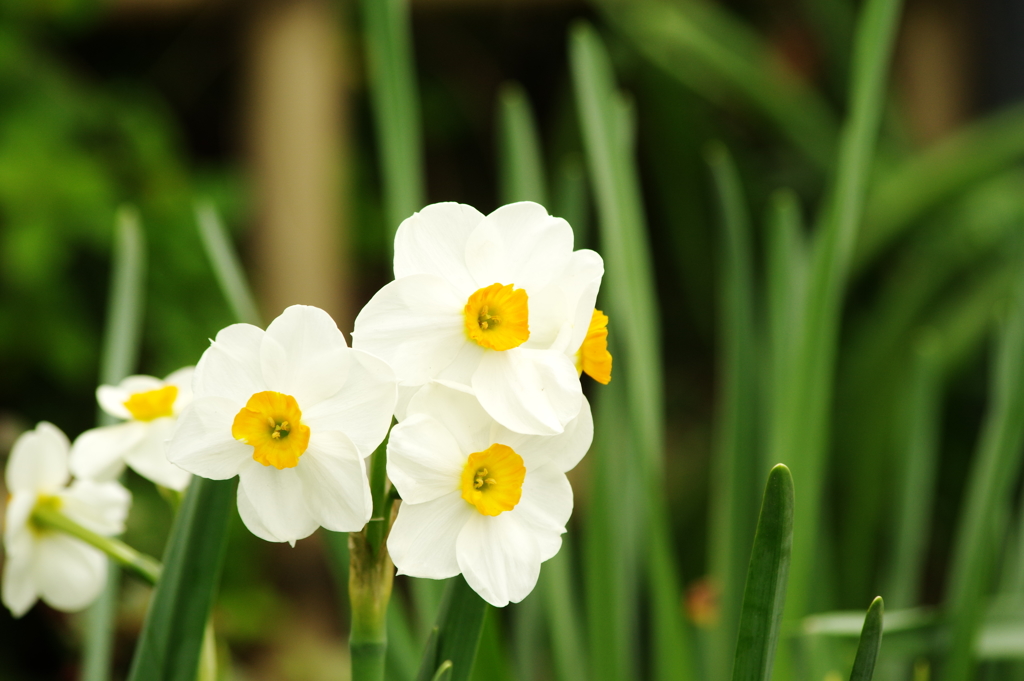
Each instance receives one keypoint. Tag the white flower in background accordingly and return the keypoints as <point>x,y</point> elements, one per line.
<point>150,408</point>
<point>477,498</point>
<point>65,572</point>
<point>293,411</point>
<point>500,304</point>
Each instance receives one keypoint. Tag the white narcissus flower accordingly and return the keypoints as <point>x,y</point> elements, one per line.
<point>477,498</point>
<point>498,304</point>
<point>65,572</point>
<point>293,412</point>
<point>150,407</point>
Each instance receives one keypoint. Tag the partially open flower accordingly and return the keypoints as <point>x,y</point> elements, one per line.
<point>477,498</point>
<point>498,304</point>
<point>150,407</point>
<point>292,411</point>
<point>65,572</point>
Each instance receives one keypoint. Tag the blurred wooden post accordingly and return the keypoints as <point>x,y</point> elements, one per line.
<point>296,132</point>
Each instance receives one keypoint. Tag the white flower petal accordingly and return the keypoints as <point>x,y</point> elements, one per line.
<point>362,408</point>
<point>580,285</point>
<point>545,508</point>
<point>182,380</point>
<point>148,457</point>
<point>498,557</point>
<point>69,574</point>
<point>422,540</point>
<point>202,442</point>
<point>416,324</point>
<point>98,453</point>
<point>405,394</point>
<point>433,241</point>
<point>132,385</point>
<point>315,359</point>
<point>519,244</point>
<point>529,391</point>
<point>459,411</point>
<point>424,459</point>
<point>19,583</point>
<point>230,367</point>
<point>16,516</point>
<point>111,399</point>
<point>98,506</point>
<point>461,369</point>
<point>251,519</point>
<point>334,483</point>
<point>38,460</point>
<point>277,499</point>
<point>562,452</point>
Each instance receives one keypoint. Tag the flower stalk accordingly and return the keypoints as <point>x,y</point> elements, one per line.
<point>47,515</point>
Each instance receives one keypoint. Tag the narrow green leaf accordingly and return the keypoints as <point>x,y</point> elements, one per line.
<point>444,672</point>
<point>608,128</point>
<point>910,190</point>
<point>735,470</point>
<point>996,466</point>
<point>520,161</point>
<point>564,622</point>
<point>121,339</point>
<point>704,47</point>
<point>765,593</point>
<point>803,432</point>
<point>460,620</point>
<point>917,479</point>
<point>870,642</point>
<point>169,645</point>
<point>226,267</point>
<point>389,57</point>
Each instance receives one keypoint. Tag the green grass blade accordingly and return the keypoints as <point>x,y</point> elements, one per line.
<point>226,267</point>
<point>392,78</point>
<point>996,466</point>
<point>918,185</point>
<point>735,470</point>
<point>564,622</point>
<point>765,593</point>
<point>803,434</point>
<point>520,161</point>
<point>870,642</point>
<point>121,339</point>
<point>917,482</point>
<point>704,47</point>
<point>460,621</point>
<point>607,125</point>
<point>172,636</point>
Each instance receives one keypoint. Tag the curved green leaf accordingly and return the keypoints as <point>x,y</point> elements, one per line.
<point>870,642</point>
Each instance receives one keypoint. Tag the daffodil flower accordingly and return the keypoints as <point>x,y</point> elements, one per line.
<point>478,498</point>
<point>498,304</point>
<point>150,407</point>
<point>65,572</point>
<point>293,412</point>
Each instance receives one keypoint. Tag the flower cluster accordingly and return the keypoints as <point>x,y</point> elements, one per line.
<point>476,348</point>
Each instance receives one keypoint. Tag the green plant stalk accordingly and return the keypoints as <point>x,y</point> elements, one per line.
<point>392,81</point>
<point>370,577</point>
<point>735,464</point>
<point>121,340</point>
<point>764,594</point>
<point>564,622</point>
<point>48,515</point>
<point>804,430</point>
<point>996,466</point>
<point>520,164</point>
<point>226,267</point>
<point>870,642</point>
<point>380,521</point>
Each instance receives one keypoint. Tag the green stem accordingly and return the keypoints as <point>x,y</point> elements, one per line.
<point>371,574</point>
<point>45,515</point>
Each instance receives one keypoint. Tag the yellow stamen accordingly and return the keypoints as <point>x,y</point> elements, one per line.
<point>272,423</point>
<point>152,404</point>
<point>497,317</point>
<point>593,357</point>
<point>492,480</point>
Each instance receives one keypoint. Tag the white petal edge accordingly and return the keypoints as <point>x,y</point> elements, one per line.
<point>19,585</point>
<point>230,367</point>
<point>149,459</point>
<point>202,444</point>
<point>424,459</point>
<point>98,453</point>
<point>276,497</point>
<point>39,460</point>
<point>98,506</point>
<point>433,241</point>
<point>545,507</point>
<point>422,542</point>
<point>182,380</point>
<point>562,451</point>
<point>529,391</point>
<point>499,558</point>
<point>459,411</point>
<point>69,574</point>
<point>334,483</point>
<point>303,354</point>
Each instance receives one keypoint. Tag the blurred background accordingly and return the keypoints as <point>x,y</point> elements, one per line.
<point>264,108</point>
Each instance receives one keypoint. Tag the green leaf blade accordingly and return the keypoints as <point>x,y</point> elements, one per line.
<point>870,643</point>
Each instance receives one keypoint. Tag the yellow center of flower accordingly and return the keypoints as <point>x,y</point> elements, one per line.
<point>493,479</point>
<point>272,423</point>
<point>497,317</point>
<point>152,404</point>
<point>593,357</point>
